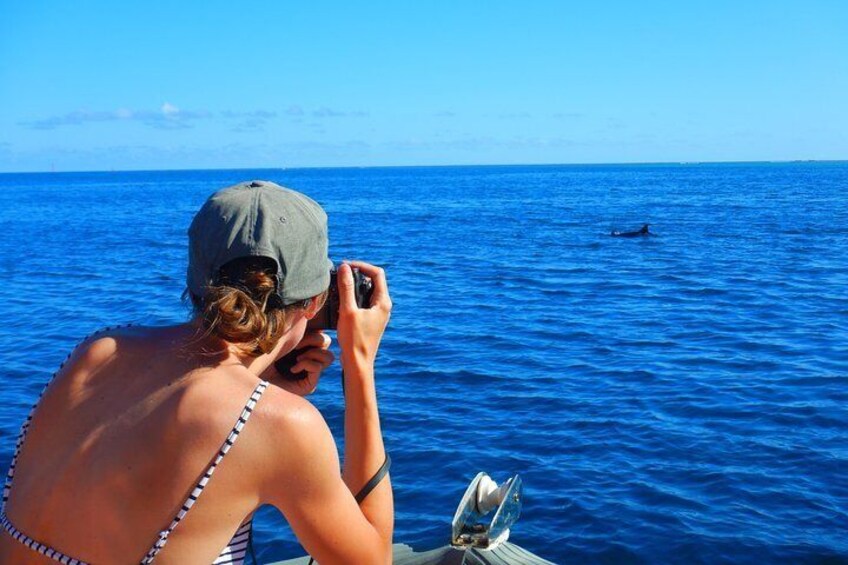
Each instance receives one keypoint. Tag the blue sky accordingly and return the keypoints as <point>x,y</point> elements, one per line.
<point>162,85</point>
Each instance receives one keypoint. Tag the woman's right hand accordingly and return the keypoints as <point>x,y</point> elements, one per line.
<point>360,329</point>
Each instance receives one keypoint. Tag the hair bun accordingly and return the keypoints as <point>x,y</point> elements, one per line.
<point>237,313</point>
<point>243,308</point>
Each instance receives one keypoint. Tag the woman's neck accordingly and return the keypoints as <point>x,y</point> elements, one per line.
<point>232,354</point>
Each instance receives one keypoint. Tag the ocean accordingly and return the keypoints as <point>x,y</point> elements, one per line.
<point>679,398</point>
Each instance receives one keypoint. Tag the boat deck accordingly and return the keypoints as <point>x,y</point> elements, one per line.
<point>505,554</point>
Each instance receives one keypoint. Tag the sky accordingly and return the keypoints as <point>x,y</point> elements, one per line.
<point>182,85</point>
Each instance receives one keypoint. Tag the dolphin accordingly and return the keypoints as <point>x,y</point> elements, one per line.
<point>641,232</point>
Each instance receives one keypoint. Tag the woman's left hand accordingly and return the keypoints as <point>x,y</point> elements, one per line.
<point>313,360</point>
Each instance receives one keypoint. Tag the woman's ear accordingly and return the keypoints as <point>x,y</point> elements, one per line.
<point>313,308</point>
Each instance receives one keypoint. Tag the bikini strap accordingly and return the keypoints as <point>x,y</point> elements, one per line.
<point>204,480</point>
<point>10,475</point>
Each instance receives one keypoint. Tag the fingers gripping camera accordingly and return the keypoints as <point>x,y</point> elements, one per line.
<point>328,317</point>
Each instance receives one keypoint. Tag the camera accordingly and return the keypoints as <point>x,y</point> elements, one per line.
<point>327,317</point>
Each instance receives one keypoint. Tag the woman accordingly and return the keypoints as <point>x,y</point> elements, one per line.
<point>159,443</point>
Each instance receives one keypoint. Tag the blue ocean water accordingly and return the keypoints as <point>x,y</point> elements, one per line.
<point>681,398</point>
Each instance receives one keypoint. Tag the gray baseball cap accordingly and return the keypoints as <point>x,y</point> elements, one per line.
<point>260,218</point>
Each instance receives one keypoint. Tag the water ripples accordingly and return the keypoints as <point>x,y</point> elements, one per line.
<point>680,398</point>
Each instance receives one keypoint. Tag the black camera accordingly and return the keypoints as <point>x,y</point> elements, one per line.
<point>327,317</point>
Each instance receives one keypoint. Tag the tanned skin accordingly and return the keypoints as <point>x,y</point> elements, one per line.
<point>136,415</point>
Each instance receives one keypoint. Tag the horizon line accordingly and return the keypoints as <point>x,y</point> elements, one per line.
<point>341,167</point>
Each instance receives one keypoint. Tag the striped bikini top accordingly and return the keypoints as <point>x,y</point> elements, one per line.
<point>235,551</point>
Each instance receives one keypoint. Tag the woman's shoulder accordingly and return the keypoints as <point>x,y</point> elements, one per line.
<point>288,432</point>
<point>128,338</point>
<point>275,418</point>
<point>293,446</point>
<point>105,344</point>
<point>280,410</point>
<point>107,338</point>
<point>94,349</point>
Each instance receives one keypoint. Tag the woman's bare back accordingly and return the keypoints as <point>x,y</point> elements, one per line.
<point>119,440</point>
